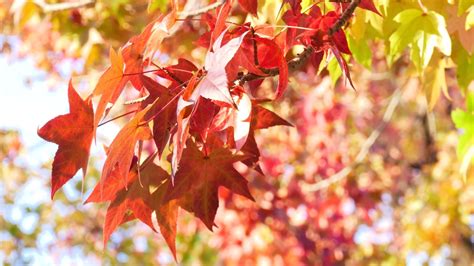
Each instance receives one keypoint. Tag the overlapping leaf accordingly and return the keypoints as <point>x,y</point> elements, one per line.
<point>73,132</point>
<point>214,84</point>
<point>199,177</point>
<point>122,149</point>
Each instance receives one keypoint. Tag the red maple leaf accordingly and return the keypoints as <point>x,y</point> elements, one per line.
<point>249,6</point>
<point>73,133</point>
<point>166,213</point>
<point>109,86</point>
<point>364,4</point>
<point>164,113</point>
<point>270,55</point>
<point>132,54</point>
<point>122,149</point>
<point>135,200</point>
<point>133,197</point>
<point>238,118</point>
<point>198,178</point>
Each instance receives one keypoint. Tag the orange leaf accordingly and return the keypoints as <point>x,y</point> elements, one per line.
<point>122,149</point>
<point>73,133</point>
<point>135,199</point>
<point>166,214</point>
<point>110,85</point>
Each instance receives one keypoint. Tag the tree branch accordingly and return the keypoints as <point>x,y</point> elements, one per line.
<point>49,8</point>
<point>301,58</point>
<point>344,17</point>
<point>364,150</point>
<point>202,10</point>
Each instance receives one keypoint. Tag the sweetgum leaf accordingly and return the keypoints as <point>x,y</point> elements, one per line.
<point>132,54</point>
<point>122,149</point>
<point>110,85</point>
<point>199,176</point>
<point>430,32</point>
<point>134,197</point>
<point>270,55</point>
<point>264,118</point>
<point>166,214</point>
<point>159,31</point>
<point>249,6</point>
<point>213,85</point>
<point>73,132</point>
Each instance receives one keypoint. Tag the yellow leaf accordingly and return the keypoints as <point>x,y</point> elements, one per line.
<point>434,80</point>
<point>469,19</point>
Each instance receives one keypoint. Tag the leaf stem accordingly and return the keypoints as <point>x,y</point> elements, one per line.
<point>117,117</point>
<point>139,73</point>
<point>161,110</point>
<point>173,76</point>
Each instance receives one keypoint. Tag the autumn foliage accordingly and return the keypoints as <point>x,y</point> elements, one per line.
<point>192,129</point>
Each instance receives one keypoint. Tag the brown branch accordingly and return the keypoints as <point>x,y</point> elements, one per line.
<point>255,50</point>
<point>202,10</point>
<point>49,8</point>
<point>192,13</point>
<point>344,17</point>
<point>301,58</point>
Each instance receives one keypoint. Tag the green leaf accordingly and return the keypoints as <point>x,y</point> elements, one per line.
<point>423,49</point>
<point>464,121</point>
<point>405,33</point>
<point>465,65</point>
<point>334,70</point>
<point>442,36</point>
<point>360,51</point>
<point>423,31</point>
<point>470,102</point>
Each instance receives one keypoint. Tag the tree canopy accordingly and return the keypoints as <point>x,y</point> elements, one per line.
<point>290,128</point>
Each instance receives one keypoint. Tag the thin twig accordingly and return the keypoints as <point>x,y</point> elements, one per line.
<point>117,117</point>
<point>186,14</point>
<point>200,11</point>
<point>364,150</point>
<point>48,8</point>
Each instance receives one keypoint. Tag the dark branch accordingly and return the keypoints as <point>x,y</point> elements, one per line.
<point>301,58</point>
<point>255,50</point>
<point>344,17</point>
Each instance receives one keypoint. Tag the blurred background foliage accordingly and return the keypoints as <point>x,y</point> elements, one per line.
<point>407,199</point>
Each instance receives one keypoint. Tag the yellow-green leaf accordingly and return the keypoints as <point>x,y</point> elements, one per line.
<point>434,80</point>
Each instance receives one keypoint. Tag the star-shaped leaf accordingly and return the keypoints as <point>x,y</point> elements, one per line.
<point>135,197</point>
<point>122,149</point>
<point>110,85</point>
<point>198,178</point>
<point>73,133</point>
<point>213,85</point>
